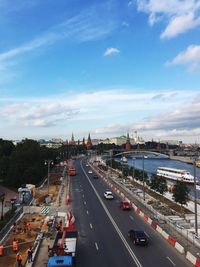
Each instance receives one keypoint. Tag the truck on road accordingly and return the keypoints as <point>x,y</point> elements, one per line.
<point>63,251</point>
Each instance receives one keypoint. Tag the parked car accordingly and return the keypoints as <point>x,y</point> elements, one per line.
<point>95,176</point>
<point>90,171</point>
<point>108,195</point>
<point>125,205</point>
<point>138,237</point>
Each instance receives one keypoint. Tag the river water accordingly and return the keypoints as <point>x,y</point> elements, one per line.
<point>151,165</point>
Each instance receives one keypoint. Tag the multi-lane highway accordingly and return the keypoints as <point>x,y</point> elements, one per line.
<point>103,227</point>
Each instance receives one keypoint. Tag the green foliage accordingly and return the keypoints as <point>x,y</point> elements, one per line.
<point>181,193</point>
<point>158,184</point>
<point>24,163</point>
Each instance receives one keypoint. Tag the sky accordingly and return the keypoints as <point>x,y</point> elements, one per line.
<point>107,68</point>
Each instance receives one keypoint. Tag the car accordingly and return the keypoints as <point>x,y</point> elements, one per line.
<point>125,205</point>
<point>86,165</point>
<point>95,176</point>
<point>90,171</point>
<point>138,237</point>
<point>108,195</point>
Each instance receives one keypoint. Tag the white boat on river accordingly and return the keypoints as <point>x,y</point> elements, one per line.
<point>175,174</point>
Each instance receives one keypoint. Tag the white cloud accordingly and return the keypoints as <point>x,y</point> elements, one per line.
<point>147,112</point>
<point>111,51</point>
<point>189,57</point>
<point>180,24</point>
<point>180,15</point>
<point>87,26</point>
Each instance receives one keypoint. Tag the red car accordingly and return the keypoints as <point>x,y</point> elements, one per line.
<point>125,205</point>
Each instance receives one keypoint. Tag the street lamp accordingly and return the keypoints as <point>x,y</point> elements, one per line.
<point>143,177</point>
<point>48,162</point>
<point>195,199</point>
<point>2,198</point>
<point>23,196</point>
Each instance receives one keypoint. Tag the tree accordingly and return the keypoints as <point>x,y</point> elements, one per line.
<point>158,184</point>
<point>181,193</point>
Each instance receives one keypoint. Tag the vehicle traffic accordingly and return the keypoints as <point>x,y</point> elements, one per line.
<point>125,205</point>
<point>138,237</point>
<point>108,195</point>
<point>64,248</point>
<point>90,171</point>
<point>95,176</point>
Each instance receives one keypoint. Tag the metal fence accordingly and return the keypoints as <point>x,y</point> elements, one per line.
<point>6,229</point>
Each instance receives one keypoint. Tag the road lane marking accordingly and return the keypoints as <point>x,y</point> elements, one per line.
<point>83,195</point>
<point>90,225</point>
<point>171,261</point>
<point>97,248</point>
<point>132,254</point>
<point>85,202</point>
<point>87,212</point>
<point>146,234</point>
<point>131,217</point>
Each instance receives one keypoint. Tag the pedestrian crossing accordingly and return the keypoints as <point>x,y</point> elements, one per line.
<point>45,210</point>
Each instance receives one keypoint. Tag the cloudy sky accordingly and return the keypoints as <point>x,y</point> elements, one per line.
<point>101,67</point>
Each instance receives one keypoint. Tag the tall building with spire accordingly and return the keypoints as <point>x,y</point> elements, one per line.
<point>83,142</point>
<point>72,141</point>
<point>128,143</point>
<point>89,142</point>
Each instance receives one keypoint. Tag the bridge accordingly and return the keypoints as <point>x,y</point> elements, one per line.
<point>142,153</point>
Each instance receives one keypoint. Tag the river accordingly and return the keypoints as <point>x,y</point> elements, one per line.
<point>150,166</point>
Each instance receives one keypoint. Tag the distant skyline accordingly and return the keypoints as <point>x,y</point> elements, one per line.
<point>101,67</point>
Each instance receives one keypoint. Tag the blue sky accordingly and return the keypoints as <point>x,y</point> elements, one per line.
<point>101,67</point>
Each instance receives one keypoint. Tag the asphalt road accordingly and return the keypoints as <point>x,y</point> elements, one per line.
<point>103,228</point>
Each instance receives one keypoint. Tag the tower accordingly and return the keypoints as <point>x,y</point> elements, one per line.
<point>89,142</point>
<point>128,143</point>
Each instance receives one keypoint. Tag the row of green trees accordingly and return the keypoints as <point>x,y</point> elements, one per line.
<point>23,163</point>
<point>158,184</point>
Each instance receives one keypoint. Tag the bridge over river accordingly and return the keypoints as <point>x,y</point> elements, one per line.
<point>142,153</point>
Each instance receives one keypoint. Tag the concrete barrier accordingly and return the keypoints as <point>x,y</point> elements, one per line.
<point>191,258</point>
<point>179,248</point>
<point>164,234</point>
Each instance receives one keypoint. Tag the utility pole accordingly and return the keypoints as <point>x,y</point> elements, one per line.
<point>143,177</point>
<point>48,162</point>
<point>195,199</point>
<point>2,198</point>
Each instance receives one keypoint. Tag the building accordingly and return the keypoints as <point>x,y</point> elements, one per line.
<point>128,143</point>
<point>89,142</point>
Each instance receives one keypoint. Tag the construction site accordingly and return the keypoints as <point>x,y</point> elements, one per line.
<point>33,221</point>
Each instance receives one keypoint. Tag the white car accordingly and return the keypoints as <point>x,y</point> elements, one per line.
<point>90,171</point>
<point>108,195</point>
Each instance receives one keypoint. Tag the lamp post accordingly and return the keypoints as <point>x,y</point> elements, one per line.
<point>23,196</point>
<point>48,162</point>
<point>143,177</point>
<point>195,199</point>
<point>2,198</point>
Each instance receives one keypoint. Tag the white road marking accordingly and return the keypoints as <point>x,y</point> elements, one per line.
<point>83,195</point>
<point>132,254</point>
<point>85,202</point>
<point>87,212</point>
<point>171,261</point>
<point>90,225</point>
<point>131,217</point>
<point>97,248</point>
<point>146,234</point>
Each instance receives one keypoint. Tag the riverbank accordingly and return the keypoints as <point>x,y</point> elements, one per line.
<point>188,160</point>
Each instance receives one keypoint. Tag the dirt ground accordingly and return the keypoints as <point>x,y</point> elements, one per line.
<point>26,235</point>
